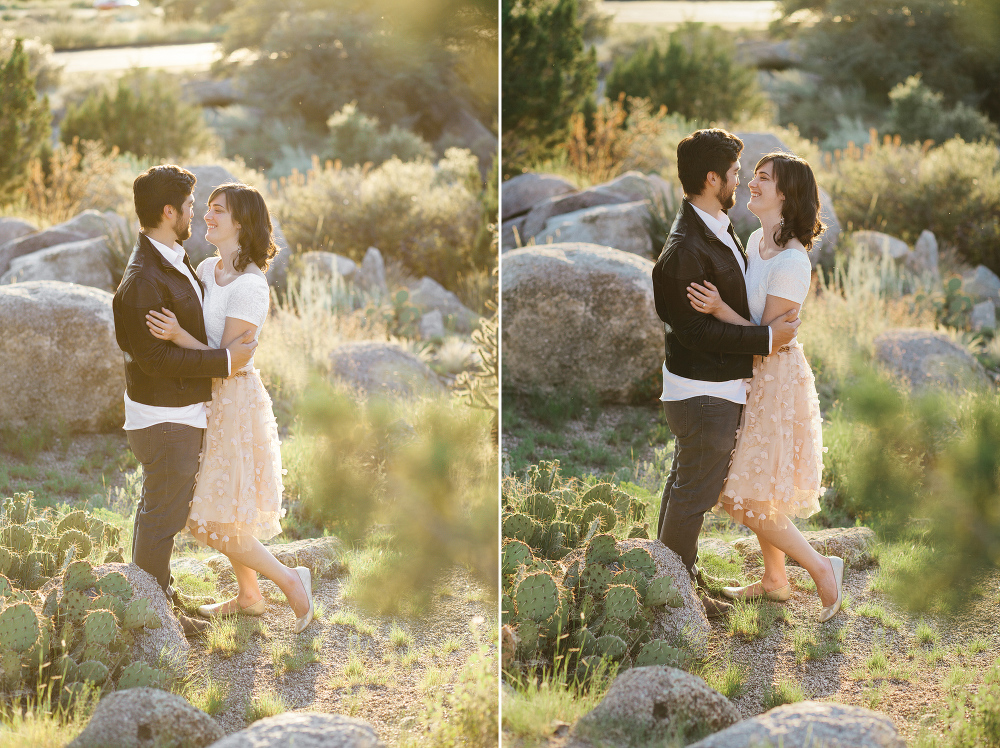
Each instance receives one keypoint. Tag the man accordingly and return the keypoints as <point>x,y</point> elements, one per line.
<point>707,361</point>
<point>166,387</point>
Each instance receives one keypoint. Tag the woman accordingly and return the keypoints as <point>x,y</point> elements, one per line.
<point>777,464</point>
<point>237,496</point>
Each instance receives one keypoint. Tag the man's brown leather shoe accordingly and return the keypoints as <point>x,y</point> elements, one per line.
<point>192,626</point>
<point>714,608</point>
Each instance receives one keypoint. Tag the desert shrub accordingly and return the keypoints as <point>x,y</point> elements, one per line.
<point>356,138</point>
<point>878,44</point>
<point>209,11</point>
<point>953,190</point>
<point>833,114</point>
<point>929,468</point>
<point>277,146</point>
<point>621,135</point>
<point>917,114</point>
<point>76,177</point>
<point>547,76</point>
<point>41,65</point>
<point>693,74</point>
<point>422,215</point>
<point>143,115</point>
<point>24,122</point>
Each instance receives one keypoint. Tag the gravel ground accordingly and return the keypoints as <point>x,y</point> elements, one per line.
<point>396,691</point>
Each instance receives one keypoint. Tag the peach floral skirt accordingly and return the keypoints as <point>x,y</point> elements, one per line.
<point>237,494</point>
<point>777,465</point>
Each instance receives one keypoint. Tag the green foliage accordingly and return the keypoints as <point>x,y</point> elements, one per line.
<point>928,469</point>
<point>356,138</point>
<point>422,216</point>
<point>693,75</point>
<point>953,190</point>
<point>917,114</point>
<point>144,115</point>
<point>952,308</point>
<point>600,606</point>
<point>208,11</point>
<point>974,716</point>
<point>24,122</point>
<point>480,387</point>
<point>547,76</point>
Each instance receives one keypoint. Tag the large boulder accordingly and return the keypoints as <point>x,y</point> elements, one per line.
<point>84,262</point>
<point>984,316</point>
<point>755,146</point>
<point>14,228</point>
<point>853,544</point>
<point>981,284</point>
<point>521,193</point>
<point>59,356</point>
<point>304,730</point>
<point>93,224</point>
<point>512,233</point>
<point>534,222</point>
<point>147,718</point>
<point>649,702</point>
<point>324,265</point>
<point>926,359</point>
<point>635,185</point>
<point>29,243</point>
<point>210,177</point>
<point>925,254</point>
<point>807,724</point>
<point>370,276</point>
<point>429,295</point>
<point>377,368</point>
<point>579,317</point>
<point>621,226</point>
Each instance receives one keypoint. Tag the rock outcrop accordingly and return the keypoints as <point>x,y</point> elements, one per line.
<point>384,369</point>
<point>84,262</point>
<point>304,730</point>
<point>926,359</point>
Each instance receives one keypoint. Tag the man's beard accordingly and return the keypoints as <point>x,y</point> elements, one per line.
<point>182,228</point>
<point>727,199</point>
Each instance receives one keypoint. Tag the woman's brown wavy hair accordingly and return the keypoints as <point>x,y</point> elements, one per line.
<point>256,233</point>
<point>795,180</point>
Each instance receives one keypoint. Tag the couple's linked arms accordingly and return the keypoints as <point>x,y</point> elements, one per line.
<point>705,298</point>
<point>164,325</point>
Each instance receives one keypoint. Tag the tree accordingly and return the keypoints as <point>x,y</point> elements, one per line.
<point>547,76</point>
<point>143,115</point>
<point>24,122</point>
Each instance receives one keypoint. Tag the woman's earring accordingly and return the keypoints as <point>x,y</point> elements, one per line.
<point>781,221</point>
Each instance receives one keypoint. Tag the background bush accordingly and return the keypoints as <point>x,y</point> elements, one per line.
<point>143,115</point>
<point>918,113</point>
<point>422,215</point>
<point>24,122</point>
<point>692,74</point>
<point>356,138</point>
<point>953,190</point>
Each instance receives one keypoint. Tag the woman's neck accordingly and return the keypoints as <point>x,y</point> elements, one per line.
<point>770,224</point>
<point>228,252</point>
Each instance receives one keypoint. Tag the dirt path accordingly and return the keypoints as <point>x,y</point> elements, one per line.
<point>360,669</point>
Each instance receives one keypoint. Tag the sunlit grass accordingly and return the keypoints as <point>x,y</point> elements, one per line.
<point>785,691</point>
<point>266,703</point>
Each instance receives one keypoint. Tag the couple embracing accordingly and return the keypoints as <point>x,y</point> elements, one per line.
<point>196,412</point>
<point>738,394</point>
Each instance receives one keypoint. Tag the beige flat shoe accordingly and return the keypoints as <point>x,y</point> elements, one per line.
<point>830,611</point>
<point>743,593</point>
<point>306,577</point>
<point>217,610</point>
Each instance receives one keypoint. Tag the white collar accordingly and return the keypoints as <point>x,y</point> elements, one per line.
<point>174,255</point>
<point>719,227</point>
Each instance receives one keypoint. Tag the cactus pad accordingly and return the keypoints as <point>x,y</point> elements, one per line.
<point>541,507</point>
<point>536,596</point>
<point>527,633</point>
<point>601,492</point>
<point>521,527</point>
<point>46,562</point>
<point>18,627</point>
<point>80,541</point>
<point>100,627</point>
<point>139,613</point>
<point>74,605</point>
<point>640,560</point>
<point>661,591</point>
<point>115,583</point>
<point>584,640</point>
<point>615,627</point>
<point>612,647</point>
<point>515,554</point>
<point>621,601</point>
<point>93,671</point>
<point>639,531</point>
<point>114,556</point>
<point>139,674</point>
<point>544,476</point>
<point>595,578</point>
<point>6,560</point>
<point>633,579</point>
<point>79,575</point>
<point>602,550</point>
<point>570,532</point>
<point>658,652</point>
<point>73,521</point>
<point>506,610</point>
<point>17,538</point>
<point>598,509</point>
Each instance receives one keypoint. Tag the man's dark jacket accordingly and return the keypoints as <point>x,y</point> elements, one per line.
<point>157,372</point>
<point>698,346</point>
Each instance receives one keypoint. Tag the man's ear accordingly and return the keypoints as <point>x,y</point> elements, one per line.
<point>712,180</point>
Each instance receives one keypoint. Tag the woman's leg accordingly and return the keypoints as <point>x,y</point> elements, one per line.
<point>257,559</point>
<point>790,541</point>
<point>774,565</point>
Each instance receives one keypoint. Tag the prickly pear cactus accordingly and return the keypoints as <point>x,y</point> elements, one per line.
<point>600,510</point>
<point>515,554</point>
<point>602,549</point>
<point>141,675</point>
<point>541,507</point>
<point>18,627</point>
<point>79,575</point>
<point>640,560</point>
<point>73,521</point>
<point>93,671</point>
<point>17,538</point>
<point>658,652</point>
<point>661,591</point>
<point>537,597</point>
<point>100,627</point>
<point>78,540</point>
<point>612,647</point>
<point>115,583</point>
<point>521,527</point>
<point>621,601</point>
